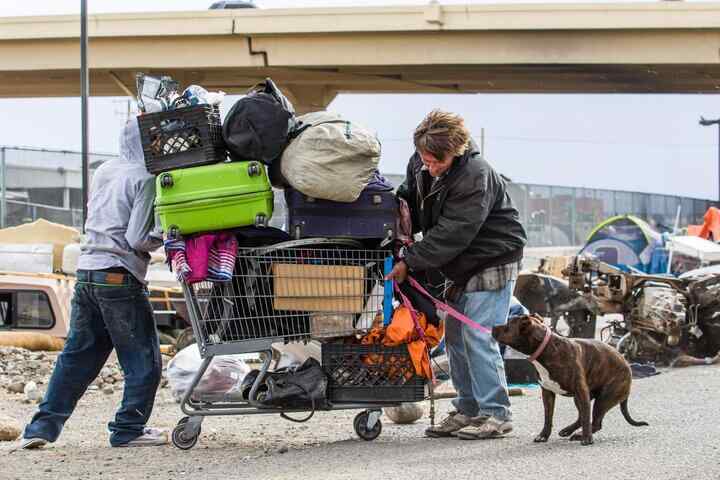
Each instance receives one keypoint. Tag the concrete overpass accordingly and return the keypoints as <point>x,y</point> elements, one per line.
<point>664,47</point>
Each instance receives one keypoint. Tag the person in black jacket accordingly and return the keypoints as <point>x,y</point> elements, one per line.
<point>473,235</point>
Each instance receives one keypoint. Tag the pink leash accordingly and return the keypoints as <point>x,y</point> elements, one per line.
<point>447,308</point>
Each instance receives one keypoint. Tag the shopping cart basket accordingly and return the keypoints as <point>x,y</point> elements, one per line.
<point>293,292</point>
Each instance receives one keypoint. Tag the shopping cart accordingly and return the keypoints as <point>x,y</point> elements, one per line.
<point>297,291</point>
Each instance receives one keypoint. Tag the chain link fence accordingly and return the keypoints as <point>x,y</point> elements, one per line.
<point>39,183</point>
<point>564,216</point>
<point>46,184</point>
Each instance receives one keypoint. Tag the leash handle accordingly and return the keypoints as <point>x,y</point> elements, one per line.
<point>447,308</point>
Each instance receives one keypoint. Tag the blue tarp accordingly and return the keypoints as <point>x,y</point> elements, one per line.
<point>628,242</point>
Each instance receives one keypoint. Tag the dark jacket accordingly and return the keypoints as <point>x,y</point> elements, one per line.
<point>467,218</point>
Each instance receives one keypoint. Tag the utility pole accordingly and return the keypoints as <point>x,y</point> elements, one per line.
<point>3,203</point>
<point>84,96</point>
<point>482,143</point>
<point>707,123</point>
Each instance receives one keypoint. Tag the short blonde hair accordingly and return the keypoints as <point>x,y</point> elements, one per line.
<point>441,133</point>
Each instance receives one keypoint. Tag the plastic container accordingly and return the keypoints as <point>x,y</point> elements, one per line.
<point>186,137</point>
<point>370,374</point>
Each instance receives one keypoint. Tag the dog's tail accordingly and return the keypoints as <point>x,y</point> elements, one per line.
<point>626,414</point>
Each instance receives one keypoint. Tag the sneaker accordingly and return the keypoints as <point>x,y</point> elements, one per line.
<point>452,423</point>
<point>481,428</point>
<point>32,443</point>
<point>151,437</point>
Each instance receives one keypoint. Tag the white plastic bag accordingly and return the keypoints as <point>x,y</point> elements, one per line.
<point>295,354</point>
<point>224,375</point>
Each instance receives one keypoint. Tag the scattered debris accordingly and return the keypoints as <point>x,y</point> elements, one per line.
<point>10,429</point>
<point>663,317</point>
<point>16,385</point>
<point>551,297</point>
<point>405,414</point>
<point>553,266</point>
<point>32,392</point>
<point>25,372</point>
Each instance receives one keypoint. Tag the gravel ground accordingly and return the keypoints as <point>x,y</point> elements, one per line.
<point>681,443</point>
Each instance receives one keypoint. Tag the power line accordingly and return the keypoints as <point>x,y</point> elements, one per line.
<point>507,138</point>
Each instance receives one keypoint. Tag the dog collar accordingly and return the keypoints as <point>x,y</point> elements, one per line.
<point>542,346</point>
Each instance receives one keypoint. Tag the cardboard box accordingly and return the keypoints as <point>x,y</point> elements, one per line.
<point>329,325</point>
<point>318,288</point>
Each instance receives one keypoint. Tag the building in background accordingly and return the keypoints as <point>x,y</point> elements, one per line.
<point>42,184</point>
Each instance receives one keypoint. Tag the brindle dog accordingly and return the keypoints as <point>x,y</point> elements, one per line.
<point>583,369</point>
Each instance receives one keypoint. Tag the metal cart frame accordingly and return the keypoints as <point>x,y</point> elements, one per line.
<point>226,338</point>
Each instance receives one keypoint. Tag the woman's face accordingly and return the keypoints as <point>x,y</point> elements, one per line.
<point>437,167</point>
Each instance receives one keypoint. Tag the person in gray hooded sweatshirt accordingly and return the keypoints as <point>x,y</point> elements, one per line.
<point>110,308</point>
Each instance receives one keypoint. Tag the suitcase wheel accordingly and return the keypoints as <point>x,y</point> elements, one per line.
<point>254,169</point>
<point>166,180</point>
<point>298,232</point>
<point>260,220</point>
<point>173,231</point>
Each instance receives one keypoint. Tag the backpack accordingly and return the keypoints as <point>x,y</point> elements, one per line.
<point>330,158</point>
<point>258,126</point>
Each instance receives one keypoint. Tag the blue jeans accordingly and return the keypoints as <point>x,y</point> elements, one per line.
<point>476,366</point>
<point>104,317</point>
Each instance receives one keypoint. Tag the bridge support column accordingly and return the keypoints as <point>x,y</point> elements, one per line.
<point>307,99</point>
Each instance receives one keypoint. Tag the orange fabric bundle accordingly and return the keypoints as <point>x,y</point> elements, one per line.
<point>402,331</point>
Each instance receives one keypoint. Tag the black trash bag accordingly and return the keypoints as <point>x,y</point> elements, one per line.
<point>252,236</point>
<point>304,386</point>
<point>259,125</point>
<point>247,383</point>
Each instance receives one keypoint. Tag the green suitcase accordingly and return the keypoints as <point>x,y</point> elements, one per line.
<point>213,197</point>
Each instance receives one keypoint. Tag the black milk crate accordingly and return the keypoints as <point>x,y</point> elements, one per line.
<point>370,374</point>
<point>186,137</point>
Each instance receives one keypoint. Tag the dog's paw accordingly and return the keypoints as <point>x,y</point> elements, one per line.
<point>541,438</point>
<point>566,432</point>
<point>587,441</point>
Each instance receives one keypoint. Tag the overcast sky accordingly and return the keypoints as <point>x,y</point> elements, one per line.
<point>649,143</point>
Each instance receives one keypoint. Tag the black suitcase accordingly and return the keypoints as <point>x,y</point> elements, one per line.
<point>370,217</point>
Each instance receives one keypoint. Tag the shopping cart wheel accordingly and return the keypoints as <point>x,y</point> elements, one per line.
<point>183,436</point>
<point>367,424</point>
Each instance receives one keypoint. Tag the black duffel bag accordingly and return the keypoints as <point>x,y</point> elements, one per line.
<point>259,125</point>
<point>300,387</point>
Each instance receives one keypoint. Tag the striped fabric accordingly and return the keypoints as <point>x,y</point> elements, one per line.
<point>204,257</point>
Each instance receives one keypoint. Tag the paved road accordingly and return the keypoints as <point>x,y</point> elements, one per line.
<point>681,443</point>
